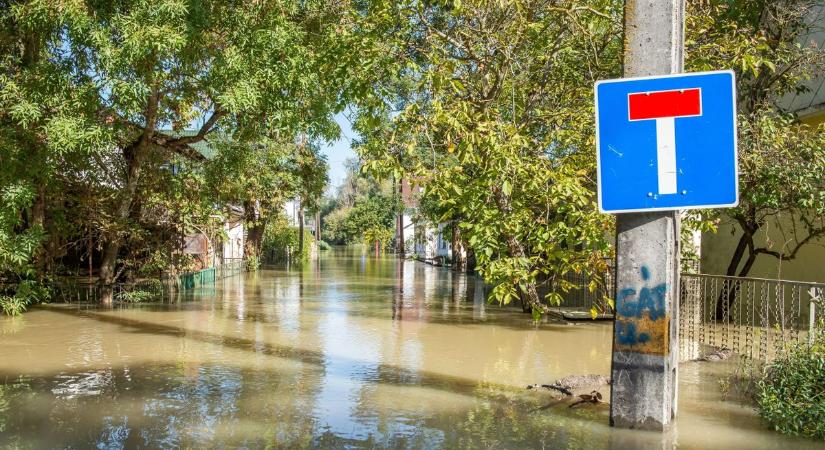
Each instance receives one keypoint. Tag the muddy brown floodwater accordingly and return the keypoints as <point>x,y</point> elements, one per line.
<point>349,351</point>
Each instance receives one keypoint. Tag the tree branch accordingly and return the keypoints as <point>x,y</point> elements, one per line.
<point>782,256</point>
<point>181,145</point>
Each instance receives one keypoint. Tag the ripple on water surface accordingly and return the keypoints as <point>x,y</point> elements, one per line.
<point>347,352</point>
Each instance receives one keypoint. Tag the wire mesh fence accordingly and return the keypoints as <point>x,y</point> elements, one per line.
<point>585,296</point>
<point>754,317</point>
<point>230,267</point>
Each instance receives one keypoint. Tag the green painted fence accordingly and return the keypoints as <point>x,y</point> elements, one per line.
<point>204,277</point>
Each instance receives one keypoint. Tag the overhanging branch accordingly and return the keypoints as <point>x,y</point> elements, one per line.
<point>181,145</point>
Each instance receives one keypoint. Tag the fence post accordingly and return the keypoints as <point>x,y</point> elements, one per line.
<point>812,315</point>
<point>812,323</point>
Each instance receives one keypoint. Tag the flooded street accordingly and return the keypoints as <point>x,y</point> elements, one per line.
<point>346,352</point>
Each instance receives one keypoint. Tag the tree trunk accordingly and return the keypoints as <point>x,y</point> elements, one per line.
<point>301,231</point>
<point>91,248</point>
<point>530,297</point>
<point>255,229</point>
<point>400,235</point>
<point>135,154</point>
<point>112,247</point>
<point>456,247</point>
<point>470,265</point>
<point>400,220</point>
<point>39,207</point>
<point>318,226</point>
<point>727,296</point>
<point>255,238</point>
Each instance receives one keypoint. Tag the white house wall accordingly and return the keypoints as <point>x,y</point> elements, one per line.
<point>233,246</point>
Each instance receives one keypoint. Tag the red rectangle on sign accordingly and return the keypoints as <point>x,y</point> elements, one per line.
<point>656,105</point>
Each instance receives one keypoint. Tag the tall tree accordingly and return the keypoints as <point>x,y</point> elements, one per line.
<point>261,177</point>
<point>781,161</point>
<point>49,127</point>
<point>132,75</point>
<point>496,124</point>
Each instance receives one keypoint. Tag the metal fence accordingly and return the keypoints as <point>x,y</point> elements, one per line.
<point>230,267</point>
<point>84,291</point>
<point>754,317</point>
<point>579,300</point>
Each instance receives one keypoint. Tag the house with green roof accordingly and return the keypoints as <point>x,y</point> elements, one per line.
<point>213,251</point>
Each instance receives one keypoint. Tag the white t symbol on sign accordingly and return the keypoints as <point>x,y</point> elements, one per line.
<point>665,107</point>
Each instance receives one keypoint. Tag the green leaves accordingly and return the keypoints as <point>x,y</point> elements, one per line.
<point>790,395</point>
<point>98,101</point>
<point>780,160</point>
<point>506,188</point>
<point>17,248</point>
<point>496,126</point>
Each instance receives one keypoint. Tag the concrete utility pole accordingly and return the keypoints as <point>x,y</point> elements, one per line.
<point>645,345</point>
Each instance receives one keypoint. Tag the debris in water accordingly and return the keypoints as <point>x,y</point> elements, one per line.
<point>570,383</point>
<point>718,355</point>
<point>561,389</point>
<point>579,381</point>
<point>593,397</point>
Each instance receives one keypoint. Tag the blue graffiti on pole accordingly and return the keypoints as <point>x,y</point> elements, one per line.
<point>651,299</point>
<point>637,318</point>
<point>626,334</point>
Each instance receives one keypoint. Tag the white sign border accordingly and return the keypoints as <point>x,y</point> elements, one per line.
<point>667,208</point>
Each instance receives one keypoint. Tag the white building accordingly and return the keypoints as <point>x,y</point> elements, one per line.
<point>292,209</point>
<point>233,227</point>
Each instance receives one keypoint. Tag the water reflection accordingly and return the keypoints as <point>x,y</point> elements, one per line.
<point>349,351</point>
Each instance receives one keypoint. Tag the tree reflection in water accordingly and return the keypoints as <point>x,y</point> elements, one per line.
<point>348,351</point>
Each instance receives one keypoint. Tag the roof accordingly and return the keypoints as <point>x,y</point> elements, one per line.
<point>203,147</point>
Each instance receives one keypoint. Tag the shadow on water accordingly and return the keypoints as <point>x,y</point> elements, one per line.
<point>389,373</point>
<point>201,405</point>
<point>346,352</point>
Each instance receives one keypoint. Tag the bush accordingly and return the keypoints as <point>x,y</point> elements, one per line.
<point>12,305</point>
<point>281,241</point>
<point>323,246</point>
<point>791,396</point>
<point>253,263</point>
<point>142,291</point>
<point>383,235</point>
<point>135,296</point>
<point>26,293</point>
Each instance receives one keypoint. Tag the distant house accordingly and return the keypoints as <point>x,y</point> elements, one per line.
<point>809,106</point>
<point>212,251</point>
<point>295,215</point>
<point>405,235</point>
<point>233,227</point>
<point>423,238</point>
<point>430,242</point>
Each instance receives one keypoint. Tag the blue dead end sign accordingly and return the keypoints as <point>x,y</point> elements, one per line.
<point>667,142</point>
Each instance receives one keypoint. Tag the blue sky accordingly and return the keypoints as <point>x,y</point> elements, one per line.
<point>337,152</point>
